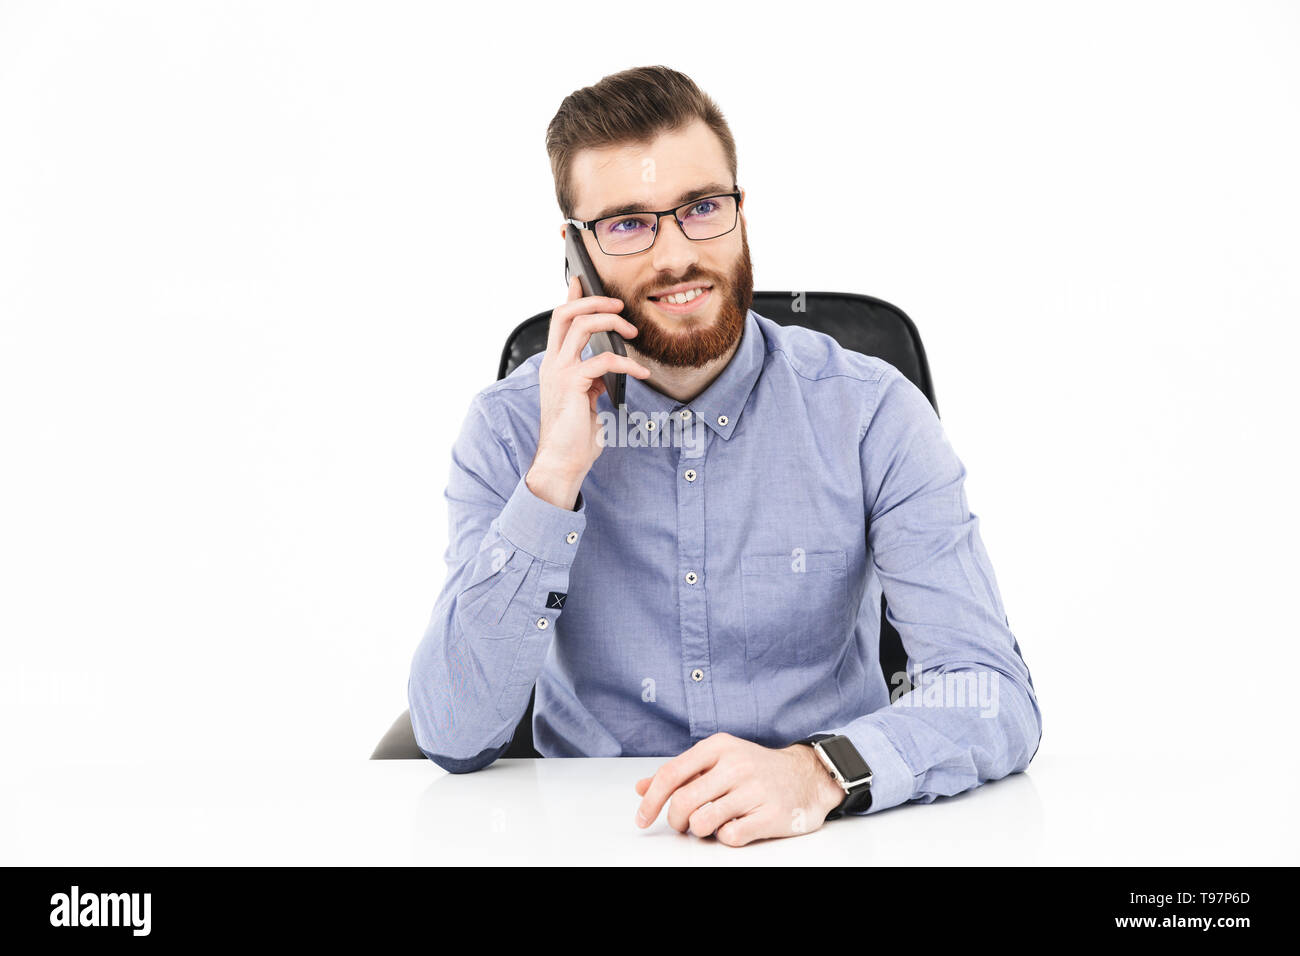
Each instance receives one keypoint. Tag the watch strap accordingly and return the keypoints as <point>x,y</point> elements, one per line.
<point>856,800</point>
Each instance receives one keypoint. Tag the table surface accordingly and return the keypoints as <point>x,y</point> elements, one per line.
<point>579,811</point>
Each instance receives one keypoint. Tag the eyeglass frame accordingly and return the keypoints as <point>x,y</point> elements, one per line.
<point>590,224</point>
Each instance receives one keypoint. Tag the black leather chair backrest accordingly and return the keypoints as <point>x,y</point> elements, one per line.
<point>858,322</point>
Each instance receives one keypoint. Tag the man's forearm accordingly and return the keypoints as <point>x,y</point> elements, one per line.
<point>490,631</point>
<point>932,743</point>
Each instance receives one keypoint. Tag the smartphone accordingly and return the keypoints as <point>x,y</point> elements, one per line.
<point>578,263</point>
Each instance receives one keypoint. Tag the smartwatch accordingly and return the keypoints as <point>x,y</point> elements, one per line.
<point>848,768</point>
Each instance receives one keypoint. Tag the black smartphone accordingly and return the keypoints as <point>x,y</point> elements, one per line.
<point>578,263</point>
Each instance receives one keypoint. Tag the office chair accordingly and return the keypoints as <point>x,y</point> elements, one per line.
<point>859,323</point>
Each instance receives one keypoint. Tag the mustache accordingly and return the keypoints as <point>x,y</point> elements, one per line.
<point>645,292</point>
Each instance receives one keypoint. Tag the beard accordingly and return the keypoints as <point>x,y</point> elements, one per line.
<point>687,341</point>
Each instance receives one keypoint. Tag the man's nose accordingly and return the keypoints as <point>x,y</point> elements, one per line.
<point>673,253</point>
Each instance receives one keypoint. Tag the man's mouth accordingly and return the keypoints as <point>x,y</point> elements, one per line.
<point>683,301</point>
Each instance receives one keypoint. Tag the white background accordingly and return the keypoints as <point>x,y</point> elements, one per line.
<point>245,301</point>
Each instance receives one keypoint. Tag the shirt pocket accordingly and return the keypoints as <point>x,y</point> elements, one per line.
<point>796,607</point>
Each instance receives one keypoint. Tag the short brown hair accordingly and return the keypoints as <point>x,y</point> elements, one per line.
<point>633,106</point>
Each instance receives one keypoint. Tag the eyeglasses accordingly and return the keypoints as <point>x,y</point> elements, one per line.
<point>628,233</point>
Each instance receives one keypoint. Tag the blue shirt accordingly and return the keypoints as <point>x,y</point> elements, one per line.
<point>722,571</point>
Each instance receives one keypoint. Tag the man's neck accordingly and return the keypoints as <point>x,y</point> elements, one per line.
<point>683,384</point>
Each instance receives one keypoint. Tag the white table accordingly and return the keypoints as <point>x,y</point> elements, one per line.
<point>580,811</point>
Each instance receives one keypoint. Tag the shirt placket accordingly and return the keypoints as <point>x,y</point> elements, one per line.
<point>701,709</point>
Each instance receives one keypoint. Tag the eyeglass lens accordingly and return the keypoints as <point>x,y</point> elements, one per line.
<point>635,232</point>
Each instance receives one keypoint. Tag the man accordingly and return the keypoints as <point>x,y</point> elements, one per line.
<point>701,576</point>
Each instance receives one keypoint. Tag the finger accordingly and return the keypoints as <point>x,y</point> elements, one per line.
<point>681,769</point>
<point>554,333</point>
<point>644,782</point>
<point>584,326</point>
<point>711,787</point>
<point>597,389</point>
<point>598,365</point>
<point>756,825</point>
<point>709,817</point>
<point>563,315</point>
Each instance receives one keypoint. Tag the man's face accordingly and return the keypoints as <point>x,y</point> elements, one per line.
<point>660,175</point>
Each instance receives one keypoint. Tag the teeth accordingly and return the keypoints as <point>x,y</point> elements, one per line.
<point>681,298</point>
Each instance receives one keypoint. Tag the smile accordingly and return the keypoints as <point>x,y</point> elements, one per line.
<point>683,302</point>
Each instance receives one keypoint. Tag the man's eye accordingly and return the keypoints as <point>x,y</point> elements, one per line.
<point>631,224</point>
<point>704,208</point>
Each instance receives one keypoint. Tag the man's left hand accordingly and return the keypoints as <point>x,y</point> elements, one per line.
<point>741,791</point>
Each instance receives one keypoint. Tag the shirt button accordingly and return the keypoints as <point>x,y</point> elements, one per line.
<point>691,577</point>
<point>571,537</point>
<point>686,414</point>
<point>697,675</point>
<point>543,623</point>
<point>690,474</point>
<point>722,420</point>
<point>650,425</point>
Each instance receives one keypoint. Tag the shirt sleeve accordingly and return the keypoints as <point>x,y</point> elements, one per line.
<point>972,715</point>
<point>508,559</point>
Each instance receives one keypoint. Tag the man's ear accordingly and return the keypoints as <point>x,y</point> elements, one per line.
<point>562,228</point>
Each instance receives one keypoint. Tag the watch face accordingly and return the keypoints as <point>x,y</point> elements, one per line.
<point>846,758</point>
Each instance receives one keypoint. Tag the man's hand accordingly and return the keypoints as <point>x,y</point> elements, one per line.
<point>568,438</point>
<point>741,791</point>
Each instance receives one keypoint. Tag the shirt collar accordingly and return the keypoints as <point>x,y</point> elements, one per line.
<point>719,405</point>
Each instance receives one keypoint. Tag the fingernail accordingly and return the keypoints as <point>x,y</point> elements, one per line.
<point>640,819</point>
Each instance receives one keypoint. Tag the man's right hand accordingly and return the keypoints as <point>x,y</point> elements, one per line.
<point>568,442</point>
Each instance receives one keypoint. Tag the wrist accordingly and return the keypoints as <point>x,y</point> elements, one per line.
<point>556,486</point>
<point>829,794</point>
